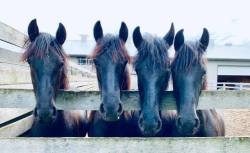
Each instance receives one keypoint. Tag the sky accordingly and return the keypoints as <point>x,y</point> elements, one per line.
<point>228,21</point>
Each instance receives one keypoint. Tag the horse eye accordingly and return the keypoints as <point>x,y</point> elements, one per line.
<point>28,60</point>
<point>61,65</point>
<point>96,62</point>
<point>204,72</point>
<point>136,70</point>
<point>52,43</point>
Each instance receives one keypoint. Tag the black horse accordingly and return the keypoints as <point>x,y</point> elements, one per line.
<point>48,66</point>
<point>110,58</point>
<point>189,78</point>
<point>152,65</point>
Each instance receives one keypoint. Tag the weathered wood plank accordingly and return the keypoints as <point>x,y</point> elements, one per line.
<point>90,100</point>
<point>7,114</point>
<point>125,145</point>
<point>14,74</point>
<point>11,57</point>
<point>11,35</point>
<point>17,128</point>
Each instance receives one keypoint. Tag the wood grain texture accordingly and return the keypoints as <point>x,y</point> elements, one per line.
<point>11,35</point>
<point>126,145</point>
<point>17,128</point>
<point>90,100</point>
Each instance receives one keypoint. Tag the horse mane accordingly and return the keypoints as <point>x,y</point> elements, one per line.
<point>116,50</point>
<point>113,47</point>
<point>189,54</point>
<point>40,47</point>
<point>155,49</point>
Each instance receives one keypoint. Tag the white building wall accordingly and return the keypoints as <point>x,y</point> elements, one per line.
<point>212,69</point>
<point>212,75</point>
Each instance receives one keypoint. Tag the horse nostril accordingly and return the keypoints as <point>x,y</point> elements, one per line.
<point>102,108</point>
<point>140,121</point>
<point>120,109</point>
<point>54,111</point>
<point>179,123</point>
<point>197,123</point>
<point>159,124</point>
<point>35,112</point>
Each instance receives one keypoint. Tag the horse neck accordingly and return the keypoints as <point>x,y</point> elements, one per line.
<point>126,80</point>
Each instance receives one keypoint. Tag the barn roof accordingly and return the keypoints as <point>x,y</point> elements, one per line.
<point>216,52</point>
<point>229,52</point>
<point>76,47</point>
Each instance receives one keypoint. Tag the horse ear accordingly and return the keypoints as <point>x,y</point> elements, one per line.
<point>61,34</point>
<point>123,33</point>
<point>169,37</point>
<point>98,33</point>
<point>33,30</point>
<point>179,40</point>
<point>137,37</point>
<point>204,41</point>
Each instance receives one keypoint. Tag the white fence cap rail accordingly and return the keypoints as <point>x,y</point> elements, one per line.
<point>125,145</point>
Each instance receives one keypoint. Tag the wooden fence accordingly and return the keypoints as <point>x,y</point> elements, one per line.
<point>21,122</point>
<point>125,145</point>
<point>90,100</point>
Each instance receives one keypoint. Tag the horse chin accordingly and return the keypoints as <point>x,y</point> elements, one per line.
<point>149,133</point>
<point>187,132</point>
<point>47,120</point>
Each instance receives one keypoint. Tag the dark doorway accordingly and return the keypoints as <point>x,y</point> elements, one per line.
<point>233,82</point>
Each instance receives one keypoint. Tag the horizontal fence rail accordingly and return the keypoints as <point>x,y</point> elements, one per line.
<point>90,100</point>
<point>11,35</point>
<point>126,145</point>
<point>7,114</point>
<point>17,126</point>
